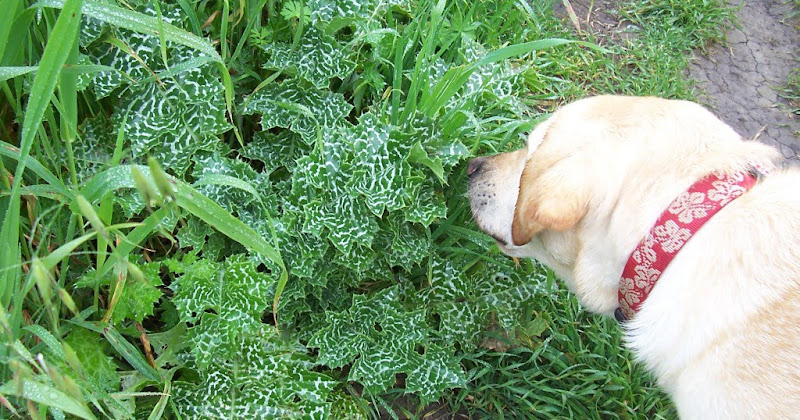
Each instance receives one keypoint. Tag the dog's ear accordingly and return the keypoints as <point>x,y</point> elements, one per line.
<point>549,199</point>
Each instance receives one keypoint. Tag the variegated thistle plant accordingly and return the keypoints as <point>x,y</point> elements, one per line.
<point>299,245</point>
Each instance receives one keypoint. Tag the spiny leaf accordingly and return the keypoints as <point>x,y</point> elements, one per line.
<point>173,123</point>
<point>317,58</point>
<point>275,151</point>
<point>259,381</point>
<point>303,111</point>
<point>236,294</point>
<point>383,337</point>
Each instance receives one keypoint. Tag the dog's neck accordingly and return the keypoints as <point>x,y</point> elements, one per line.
<point>677,224</point>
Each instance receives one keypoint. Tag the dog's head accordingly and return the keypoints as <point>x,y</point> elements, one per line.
<point>516,195</point>
<point>592,180</point>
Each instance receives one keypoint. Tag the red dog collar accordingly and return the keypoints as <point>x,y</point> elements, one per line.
<point>682,219</point>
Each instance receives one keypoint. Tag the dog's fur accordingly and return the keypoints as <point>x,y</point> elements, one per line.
<point>721,328</point>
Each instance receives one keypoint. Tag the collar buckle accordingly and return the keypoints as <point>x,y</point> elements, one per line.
<point>620,316</point>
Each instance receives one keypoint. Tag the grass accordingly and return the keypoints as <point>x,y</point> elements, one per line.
<point>192,227</point>
<point>574,367</point>
<point>791,92</point>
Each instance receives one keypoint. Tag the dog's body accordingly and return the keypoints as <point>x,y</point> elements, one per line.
<point>721,328</point>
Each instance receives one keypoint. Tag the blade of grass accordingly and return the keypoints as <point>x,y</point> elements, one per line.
<point>131,354</point>
<point>228,181</point>
<point>53,258</point>
<point>68,94</point>
<point>127,243</point>
<point>251,22</point>
<point>46,394</point>
<point>37,168</point>
<point>139,22</point>
<point>44,84</point>
<point>9,8</point>
<point>189,199</point>
<point>48,339</point>
<point>11,72</point>
<point>13,45</point>
<point>456,77</point>
<point>223,32</point>
<point>158,410</point>
<point>423,60</point>
<point>210,212</point>
<point>162,43</point>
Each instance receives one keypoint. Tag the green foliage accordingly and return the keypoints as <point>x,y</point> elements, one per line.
<point>386,336</point>
<point>169,118</point>
<point>258,380</point>
<point>307,250</point>
<point>697,21</point>
<point>574,366</point>
<point>98,366</point>
<point>791,92</point>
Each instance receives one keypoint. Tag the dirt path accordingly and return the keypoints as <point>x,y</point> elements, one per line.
<point>740,80</point>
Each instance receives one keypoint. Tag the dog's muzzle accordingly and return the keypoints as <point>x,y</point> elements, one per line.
<point>475,166</point>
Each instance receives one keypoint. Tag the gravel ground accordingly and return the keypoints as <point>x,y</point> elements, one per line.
<point>739,81</point>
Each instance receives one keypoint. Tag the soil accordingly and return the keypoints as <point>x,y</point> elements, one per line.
<point>739,80</point>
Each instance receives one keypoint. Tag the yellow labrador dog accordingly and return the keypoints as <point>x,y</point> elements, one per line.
<point>609,193</point>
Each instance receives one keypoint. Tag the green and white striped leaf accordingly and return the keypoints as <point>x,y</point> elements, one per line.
<point>260,380</point>
<point>382,339</point>
<point>358,11</point>
<point>303,111</point>
<point>317,58</point>
<point>229,182</point>
<point>275,151</point>
<point>139,22</point>
<point>235,293</point>
<point>174,122</point>
<point>167,113</point>
<point>380,169</point>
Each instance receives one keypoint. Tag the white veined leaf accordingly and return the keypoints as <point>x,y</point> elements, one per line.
<point>361,11</point>
<point>432,372</point>
<point>460,321</point>
<point>143,23</point>
<point>402,244</point>
<point>382,339</point>
<point>380,168</point>
<point>303,111</point>
<point>275,150</point>
<point>505,292</point>
<point>125,55</point>
<point>209,165</point>
<point>317,58</point>
<point>237,295</point>
<point>93,149</point>
<point>173,123</point>
<point>426,205</point>
<point>167,114</point>
<point>261,380</point>
<point>345,221</point>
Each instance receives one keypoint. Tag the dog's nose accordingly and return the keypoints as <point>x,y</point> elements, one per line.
<point>475,165</point>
